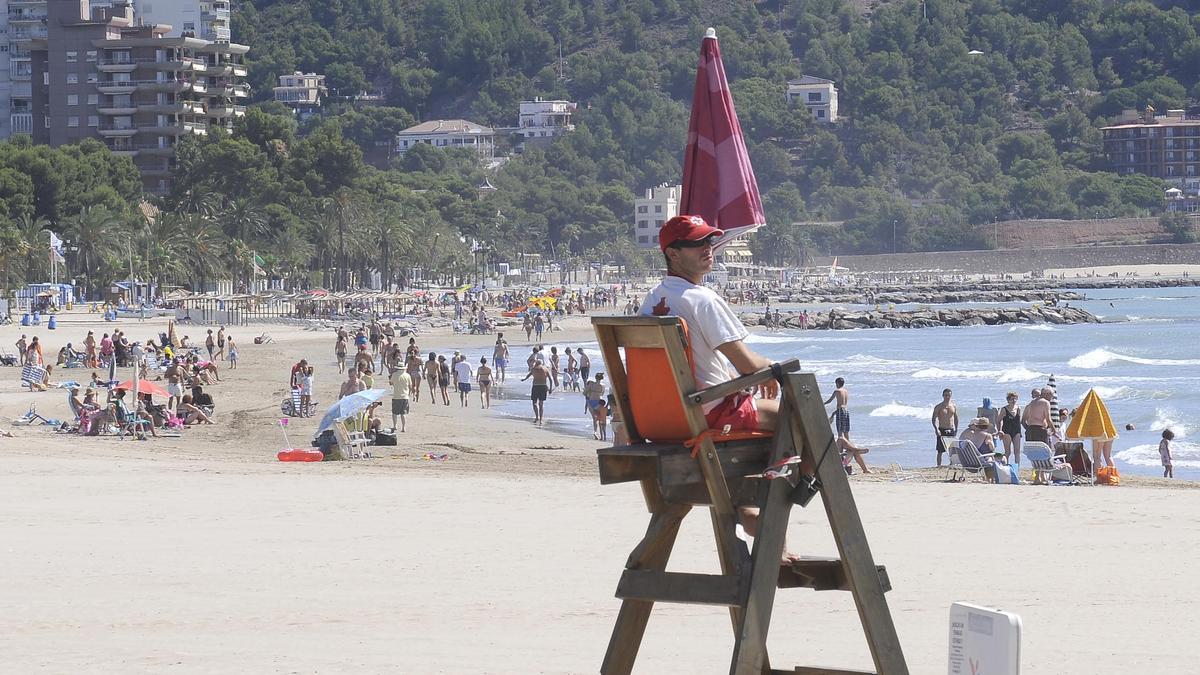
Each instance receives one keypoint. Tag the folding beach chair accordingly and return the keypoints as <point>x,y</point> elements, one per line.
<point>970,461</point>
<point>1046,465</point>
<point>351,444</point>
<point>32,373</point>
<point>681,463</point>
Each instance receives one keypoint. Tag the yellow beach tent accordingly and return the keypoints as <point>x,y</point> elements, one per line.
<point>1091,420</point>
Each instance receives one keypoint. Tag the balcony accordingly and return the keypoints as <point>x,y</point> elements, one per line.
<point>174,108</point>
<point>25,17</point>
<point>177,64</point>
<point>117,87</point>
<point>155,150</point>
<point>116,65</point>
<point>199,87</point>
<point>217,70</point>
<point>171,86</point>
<point>122,108</point>
<point>239,70</point>
<point>220,111</point>
<point>21,123</point>
<point>124,152</point>
<point>173,128</point>
<point>117,130</point>
<point>241,91</point>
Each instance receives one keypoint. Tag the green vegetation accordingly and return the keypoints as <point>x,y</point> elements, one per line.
<point>935,140</point>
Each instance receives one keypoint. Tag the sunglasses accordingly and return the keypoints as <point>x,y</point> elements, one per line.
<point>699,243</point>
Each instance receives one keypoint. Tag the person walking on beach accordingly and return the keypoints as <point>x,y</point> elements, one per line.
<point>306,390</point>
<point>484,377</point>
<point>841,420</point>
<point>945,422</point>
<point>462,376</point>
<point>537,393</point>
<point>1009,423</point>
<point>1164,453</point>
<point>595,398</point>
<point>718,337</point>
<point>527,324</point>
<point>402,387</point>
<point>500,357</point>
<point>352,385</point>
<point>443,379</point>
<point>554,370</point>
<point>1037,418</point>
<point>431,376</point>
<point>210,343</point>
<point>233,353</point>
<point>339,349</point>
<point>412,365</point>
<point>221,343</point>
<point>585,364</point>
<point>539,325</point>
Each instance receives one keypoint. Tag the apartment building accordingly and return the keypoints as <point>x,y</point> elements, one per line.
<point>21,21</point>
<point>448,134</point>
<point>102,75</point>
<point>204,19</point>
<point>819,95</point>
<point>660,204</point>
<point>543,120</point>
<point>1164,146</point>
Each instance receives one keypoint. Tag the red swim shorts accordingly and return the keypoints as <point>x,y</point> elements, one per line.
<point>737,411</point>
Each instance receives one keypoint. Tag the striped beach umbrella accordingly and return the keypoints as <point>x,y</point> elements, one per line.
<point>1054,410</point>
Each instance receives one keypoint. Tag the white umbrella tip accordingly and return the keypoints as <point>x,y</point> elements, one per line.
<point>710,33</point>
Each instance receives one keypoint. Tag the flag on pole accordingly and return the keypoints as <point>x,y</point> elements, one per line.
<point>718,180</point>
<point>56,249</point>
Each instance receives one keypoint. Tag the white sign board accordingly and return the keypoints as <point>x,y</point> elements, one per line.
<point>984,641</point>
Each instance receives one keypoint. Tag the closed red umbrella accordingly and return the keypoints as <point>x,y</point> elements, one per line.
<point>718,181</point>
<point>144,387</point>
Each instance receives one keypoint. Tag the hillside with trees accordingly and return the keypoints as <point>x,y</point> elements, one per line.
<point>935,139</point>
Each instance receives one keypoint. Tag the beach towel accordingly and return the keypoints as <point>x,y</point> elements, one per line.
<point>32,373</point>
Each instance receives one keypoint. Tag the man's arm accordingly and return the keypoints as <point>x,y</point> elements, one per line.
<point>933,420</point>
<point>746,361</point>
<point>954,416</point>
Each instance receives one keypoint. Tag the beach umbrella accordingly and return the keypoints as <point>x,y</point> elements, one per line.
<point>718,181</point>
<point>144,387</point>
<point>1091,420</point>
<point>1054,410</point>
<point>349,406</point>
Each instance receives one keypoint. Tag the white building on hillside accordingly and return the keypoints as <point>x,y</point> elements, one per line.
<point>301,92</point>
<point>820,95</point>
<point>448,134</point>
<point>660,204</point>
<point>545,119</point>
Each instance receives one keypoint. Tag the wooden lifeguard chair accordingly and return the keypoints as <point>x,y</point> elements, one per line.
<point>680,463</point>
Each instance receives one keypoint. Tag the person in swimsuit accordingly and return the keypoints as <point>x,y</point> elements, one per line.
<point>945,422</point>
<point>443,379</point>
<point>431,376</point>
<point>595,403</point>
<point>484,377</point>
<point>841,420</point>
<point>1010,428</point>
<point>537,393</point>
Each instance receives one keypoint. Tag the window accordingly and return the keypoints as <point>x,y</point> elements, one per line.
<point>820,114</point>
<point>47,121</point>
<point>643,209</point>
<point>91,56</point>
<point>814,97</point>
<point>72,57</point>
<point>189,26</point>
<point>643,239</point>
<point>73,121</point>
<point>658,223</point>
<point>72,99</point>
<point>72,78</point>
<point>46,78</point>
<point>93,120</point>
<point>658,208</point>
<point>93,78</point>
<point>93,99</point>
<point>643,224</point>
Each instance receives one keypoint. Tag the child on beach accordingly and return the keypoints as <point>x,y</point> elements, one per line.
<point>233,354</point>
<point>306,388</point>
<point>1164,453</point>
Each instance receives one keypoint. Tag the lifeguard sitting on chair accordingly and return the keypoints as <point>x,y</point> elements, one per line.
<point>715,334</point>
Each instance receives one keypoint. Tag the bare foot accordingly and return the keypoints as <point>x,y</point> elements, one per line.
<point>789,558</point>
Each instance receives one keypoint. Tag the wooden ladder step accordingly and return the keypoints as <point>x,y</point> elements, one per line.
<point>680,587</point>
<point>822,574</point>
<point>819,670</point>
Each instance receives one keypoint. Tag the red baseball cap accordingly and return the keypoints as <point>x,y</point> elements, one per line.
<point>685,228</point>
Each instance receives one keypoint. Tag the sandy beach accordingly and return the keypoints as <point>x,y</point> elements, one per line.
<point>205,554</point>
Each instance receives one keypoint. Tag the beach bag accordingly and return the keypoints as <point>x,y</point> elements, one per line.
<point>1005,474</point>
<point>1108,475</point>
<point>385,438</point>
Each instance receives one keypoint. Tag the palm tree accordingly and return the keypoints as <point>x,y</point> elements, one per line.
<point>389,229</point>
<point>93,232</point>
<point>243,219</point>
<point>345,212</point>
<point>160,237</point>
<point>12,247</point>
<point>294,253</point>
<point>202,243</point>
<point>32,232</point>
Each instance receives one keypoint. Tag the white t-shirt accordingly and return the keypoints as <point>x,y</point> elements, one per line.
<point>711,323</point>
<point>463,370</point>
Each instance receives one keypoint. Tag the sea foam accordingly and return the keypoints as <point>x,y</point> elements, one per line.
<point>1098,358</point>
<point>1182,455</point>
<point>895,409</point>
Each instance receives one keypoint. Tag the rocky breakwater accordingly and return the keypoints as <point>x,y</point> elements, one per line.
<point>928,318</point>
<point>928,297</point>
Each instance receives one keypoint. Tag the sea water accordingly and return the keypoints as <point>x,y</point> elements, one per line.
<point>1144,362</point>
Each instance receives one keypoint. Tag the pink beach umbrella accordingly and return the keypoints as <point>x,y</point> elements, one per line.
<point>718,181</point>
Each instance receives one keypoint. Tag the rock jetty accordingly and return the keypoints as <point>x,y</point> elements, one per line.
<point>925,297</point>
<point>927,318</point>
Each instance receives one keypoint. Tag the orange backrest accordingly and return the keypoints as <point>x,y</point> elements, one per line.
<point>655,403</point>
